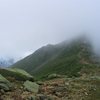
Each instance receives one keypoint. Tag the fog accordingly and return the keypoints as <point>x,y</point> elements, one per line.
<point>26,25</point>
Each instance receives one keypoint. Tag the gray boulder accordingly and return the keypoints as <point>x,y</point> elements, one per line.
<point>31,86</point>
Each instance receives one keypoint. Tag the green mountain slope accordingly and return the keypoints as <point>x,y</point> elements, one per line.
<point>38,58</point>
<point>64,58</point>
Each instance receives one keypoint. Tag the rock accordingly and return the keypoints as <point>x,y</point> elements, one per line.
<point>31,86</point>
<point>51,76</point>
<point>42,97</point>
<point>17,74</point>
<point>65,98</point>
<point>67,83</point>
<point>32,98</point>
<point>40,83</point>
<point>2,91</point>
<point>4,83</point>
<point>60,89</point>
<point>86,93</point>
<point>58,94</point>
<point>53,97</point>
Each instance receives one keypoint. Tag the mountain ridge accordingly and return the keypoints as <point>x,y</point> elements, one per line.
<point>63,58</point>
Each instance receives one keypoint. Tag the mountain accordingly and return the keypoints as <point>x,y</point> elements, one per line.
<point>65,71</point>
<point>66,58</point>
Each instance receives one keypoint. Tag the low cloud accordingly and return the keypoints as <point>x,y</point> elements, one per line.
<point>27,25</point>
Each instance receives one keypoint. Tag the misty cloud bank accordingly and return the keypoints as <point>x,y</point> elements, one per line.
<point>26,25</point>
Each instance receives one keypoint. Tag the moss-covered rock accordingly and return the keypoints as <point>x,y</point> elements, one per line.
<point>16,73</point>
<point>4,83</point>
<point>31,86</point>
<point>52,76</point>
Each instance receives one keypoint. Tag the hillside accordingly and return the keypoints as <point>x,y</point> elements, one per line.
<point>14,86</point>
<point>66,71</point>
<point>66,58</point>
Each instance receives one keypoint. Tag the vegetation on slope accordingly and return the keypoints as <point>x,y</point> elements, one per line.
<point>69,61</point>
<point>64,58</point>
<point>58,66</point>
<point>41,56</point>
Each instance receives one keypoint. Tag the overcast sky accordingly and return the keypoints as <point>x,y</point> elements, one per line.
<point>26,25</point>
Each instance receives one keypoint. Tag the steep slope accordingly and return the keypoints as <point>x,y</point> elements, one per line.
<point>41,56</point>
<point>64,58</point>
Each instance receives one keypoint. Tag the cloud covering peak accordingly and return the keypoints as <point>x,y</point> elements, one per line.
<point>26,25</point>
